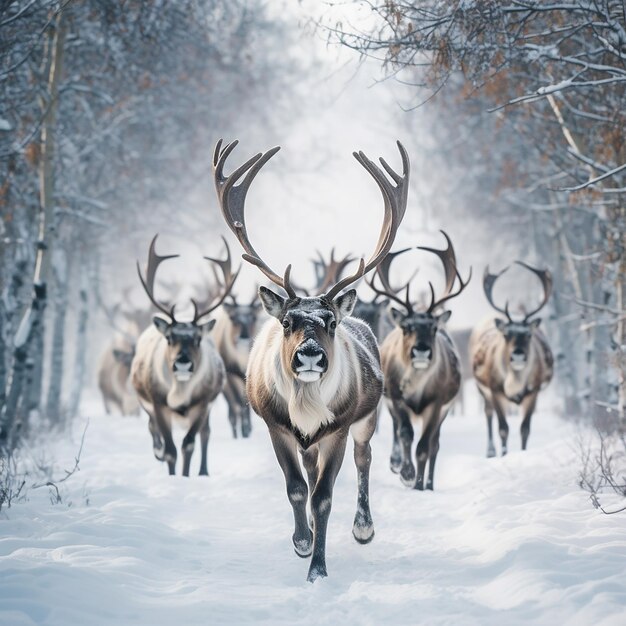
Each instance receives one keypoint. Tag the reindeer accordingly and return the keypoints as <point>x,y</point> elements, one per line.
<point>460,337</point>
<point>235,327</point>
<point>114,375</point>
<point>177,371</point>
<point>512,361</point>
<point>234,330</point>
<point>314,372</point>
<point>114,366</point>
<point>422,369</point>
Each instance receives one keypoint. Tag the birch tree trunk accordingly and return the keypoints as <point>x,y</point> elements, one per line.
<point>25,384</point>
<point>57,351</point>
<point>80,356</point>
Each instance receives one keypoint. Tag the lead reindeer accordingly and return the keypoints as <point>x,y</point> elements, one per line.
<point>177,372</point>
<point>512,361</point>
<point>234,330</point>
<point>422,370</point>
<point>314,372</point>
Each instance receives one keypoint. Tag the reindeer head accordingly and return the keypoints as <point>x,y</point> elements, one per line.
<point>243,318</point>
<point>309,323</point>
<point>124,357</point>
<point>517,334</point>
<point>184,339</point>
<point>372,311</point>
<point>309,326</point>
<point>419,328</point>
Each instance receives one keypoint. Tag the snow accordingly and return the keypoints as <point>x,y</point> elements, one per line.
<point>501,541</point>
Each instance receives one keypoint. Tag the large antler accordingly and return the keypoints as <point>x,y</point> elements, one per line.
<point>331,272</point>
<point>545,276</point>
<point>489,281</point>
<point>154,260</point>
<point>448,259</point>
<point>232,199</point>
<point>382,272</point>
<point>226,284</point>
<point>395,200</point>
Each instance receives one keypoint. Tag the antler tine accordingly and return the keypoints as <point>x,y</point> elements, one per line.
<point>332,271</point>
<point>545,276</point>
<point>226,285</point>
<point>488,283</point>
<point>395,200</point>
<point>448,259</point>
<point>224,264</point>
<point>383,271</point>
<point>232,200</point>
<point>450,295</point>
<point>154,260</point>
<point>406,304</point>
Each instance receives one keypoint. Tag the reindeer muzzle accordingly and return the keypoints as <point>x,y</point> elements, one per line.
<point>183,368</point>
<point>518,360</point>
<point>421,357</point>
<point>309,362</point>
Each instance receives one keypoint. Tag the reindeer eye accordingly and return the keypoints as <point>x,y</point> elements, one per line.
<point>286,323</point>
<point>332,325</point>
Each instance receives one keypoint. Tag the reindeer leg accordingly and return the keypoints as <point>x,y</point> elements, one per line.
<point>231,400</point>
<point>331,457</point>
<point>189,442</point>
<point>243,408</point>
<point>422,452</point>
<point>205,431</point>
<point>310,459</point>
<point>297,492</point>
<point>246,421</point>
<point>491,448</point>
<point>164,426</point>
<point>157,441</point>
<point>395,460</point>
<point>433,450</point>
<point>405,433</point>
<point>500,404</point>
<point>362,431</point>
<point>528,407</point>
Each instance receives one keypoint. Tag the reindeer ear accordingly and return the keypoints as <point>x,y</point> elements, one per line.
<point>444,317</point>
<point>272,302</point>
<point>396,315</point>
<point>345,304</point>
<point>535,323</point>
<point>500,324</point>
<point>161,324</point>
<point>207,326</point>
<point>120,356</point>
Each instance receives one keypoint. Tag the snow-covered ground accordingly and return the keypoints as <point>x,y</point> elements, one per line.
<point>501,541</point>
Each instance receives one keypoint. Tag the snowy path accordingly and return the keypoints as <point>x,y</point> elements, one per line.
<point>501,541</point>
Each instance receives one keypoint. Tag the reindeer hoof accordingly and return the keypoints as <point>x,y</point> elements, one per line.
<point>395,466</point>
<point>302,547</point>
<point>491,452</point>
<point>363,534</point>
<point>319,571</point>
<point>407,476</point>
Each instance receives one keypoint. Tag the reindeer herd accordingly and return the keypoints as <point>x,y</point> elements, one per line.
<point>316,366</point>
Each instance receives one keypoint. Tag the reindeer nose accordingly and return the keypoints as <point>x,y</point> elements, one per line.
<point>183,363</point>
<point>518,352</point>
<point>421,350</point>
<point>310,357</point>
